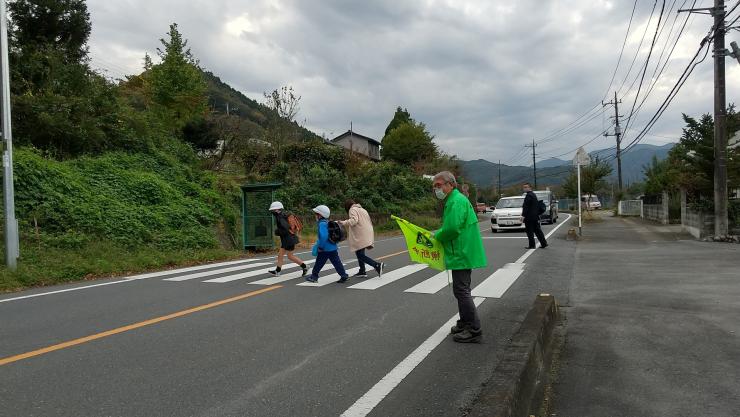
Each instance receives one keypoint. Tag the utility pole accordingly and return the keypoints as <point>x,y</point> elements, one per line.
<point>499,178</point>
<point>11,225</point>
<point>720,114</point>
<point>534,161</point>
<point>720,122</point>
<point>618,134</point>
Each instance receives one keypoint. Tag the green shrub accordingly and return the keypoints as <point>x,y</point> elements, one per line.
<point>137,199</point>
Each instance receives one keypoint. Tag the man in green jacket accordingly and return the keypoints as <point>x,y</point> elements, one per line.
<point>460,237</point>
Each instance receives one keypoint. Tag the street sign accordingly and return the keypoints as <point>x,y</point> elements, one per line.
<point>582,157</point>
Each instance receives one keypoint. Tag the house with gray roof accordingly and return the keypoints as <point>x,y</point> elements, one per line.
<point>360,144</point>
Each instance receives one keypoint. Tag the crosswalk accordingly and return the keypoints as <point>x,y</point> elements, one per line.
<point>494,286</point>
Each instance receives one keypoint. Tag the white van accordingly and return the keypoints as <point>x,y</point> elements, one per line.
<point>590,202</point>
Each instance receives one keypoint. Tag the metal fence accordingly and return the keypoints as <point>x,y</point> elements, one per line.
<point>630,208</point>
<point>568,204</point>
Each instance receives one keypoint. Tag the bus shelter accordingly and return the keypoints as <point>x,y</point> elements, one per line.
<point>257,222</point>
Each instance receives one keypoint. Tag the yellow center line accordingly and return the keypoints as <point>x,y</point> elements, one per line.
<point>392,255</point>
<point>70,343</point>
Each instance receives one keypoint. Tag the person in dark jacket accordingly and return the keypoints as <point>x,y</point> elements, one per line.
<point>288,240</point>
<point>531,217</point>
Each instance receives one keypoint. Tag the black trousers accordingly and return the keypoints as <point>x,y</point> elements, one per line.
<point>465,305</point>
<point>533,228</point>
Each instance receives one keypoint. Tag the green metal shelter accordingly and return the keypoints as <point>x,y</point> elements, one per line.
<point>257,222</point>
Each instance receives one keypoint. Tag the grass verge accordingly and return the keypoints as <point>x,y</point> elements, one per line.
<point>44,266</point>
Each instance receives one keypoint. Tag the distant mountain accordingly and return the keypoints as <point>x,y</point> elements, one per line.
<point>552,162</point>
<point>634,161</point>
<point>485,173</point>
<point>554,171</point>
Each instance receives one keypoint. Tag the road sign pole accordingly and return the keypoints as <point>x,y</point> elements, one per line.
<point>580,223</point>
<point>581,158</point>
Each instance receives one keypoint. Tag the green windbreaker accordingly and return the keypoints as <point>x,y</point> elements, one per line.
<point>460,234</point>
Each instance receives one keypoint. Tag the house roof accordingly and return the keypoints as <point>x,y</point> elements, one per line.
<point>355,135</point>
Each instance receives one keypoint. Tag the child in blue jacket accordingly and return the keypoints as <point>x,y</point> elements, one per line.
<point>324,249</point>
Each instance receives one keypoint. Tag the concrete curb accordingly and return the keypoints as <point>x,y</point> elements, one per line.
<point>517,385</point>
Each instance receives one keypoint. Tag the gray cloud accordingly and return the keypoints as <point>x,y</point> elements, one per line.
<point>485,76</point>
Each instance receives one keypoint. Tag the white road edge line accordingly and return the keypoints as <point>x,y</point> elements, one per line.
<point>531,251</point>
<point>363,406</point>
<point>246,262</point>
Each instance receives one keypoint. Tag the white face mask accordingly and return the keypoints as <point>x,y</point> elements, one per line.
<point>439,193</point>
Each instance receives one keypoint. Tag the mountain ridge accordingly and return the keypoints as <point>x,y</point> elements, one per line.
<point>555,171</point>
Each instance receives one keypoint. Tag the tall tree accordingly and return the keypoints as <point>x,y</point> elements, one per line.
<point>176,85</point>
<point>63,25</point>
<point>592,178</point>
<point>409,144</point>
<point>59,104</point>
<point>282,127</point>
<point>284,102</point>
<point>402,116</point>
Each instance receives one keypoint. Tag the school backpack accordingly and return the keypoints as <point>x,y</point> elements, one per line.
<point>336,232</point>
<point>541,207</point>
<point>295,224</point>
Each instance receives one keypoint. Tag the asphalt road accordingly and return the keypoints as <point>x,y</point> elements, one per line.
<point>165,345</point>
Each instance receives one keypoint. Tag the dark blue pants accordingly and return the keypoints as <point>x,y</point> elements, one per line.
<point>363,259</point>
<point>333,257</point>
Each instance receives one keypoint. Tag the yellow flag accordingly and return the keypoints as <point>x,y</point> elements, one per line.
<point>423,247</point>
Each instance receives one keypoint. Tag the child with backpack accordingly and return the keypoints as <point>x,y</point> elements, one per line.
<point>360,237</point>
<point>288,228</point>
<point>325,249</point>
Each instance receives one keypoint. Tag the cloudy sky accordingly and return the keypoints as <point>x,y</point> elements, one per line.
<point>485,76</point>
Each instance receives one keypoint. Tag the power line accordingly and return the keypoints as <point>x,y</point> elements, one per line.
<point>621,52</point>
<point>660,33</point>
<point>639,47</point>
<point>598,136</point>
<point>573,128</point>
<point>644,71</point>
<point>733,9</point>
<point>706,42</point>
<point>660,73</point>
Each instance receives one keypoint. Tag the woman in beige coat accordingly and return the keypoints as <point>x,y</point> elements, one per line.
<point>360,236</point>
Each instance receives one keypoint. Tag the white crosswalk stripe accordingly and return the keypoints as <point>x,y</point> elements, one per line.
<point>327,279</point>
<point>494,286</point>
<point>433,284</point>
<point>245,275</point>
<point>216,272</point>
<point>256,273</point>
<point>282,277</point>
<point>189,269</point>
<point>499,282</point>
<point>388,277</point>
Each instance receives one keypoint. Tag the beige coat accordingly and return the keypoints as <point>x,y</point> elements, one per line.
<point>360,227</point>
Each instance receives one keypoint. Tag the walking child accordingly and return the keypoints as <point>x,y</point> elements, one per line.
<point>361,236</point>
<point>288,228</point>
<point>325,248</point>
